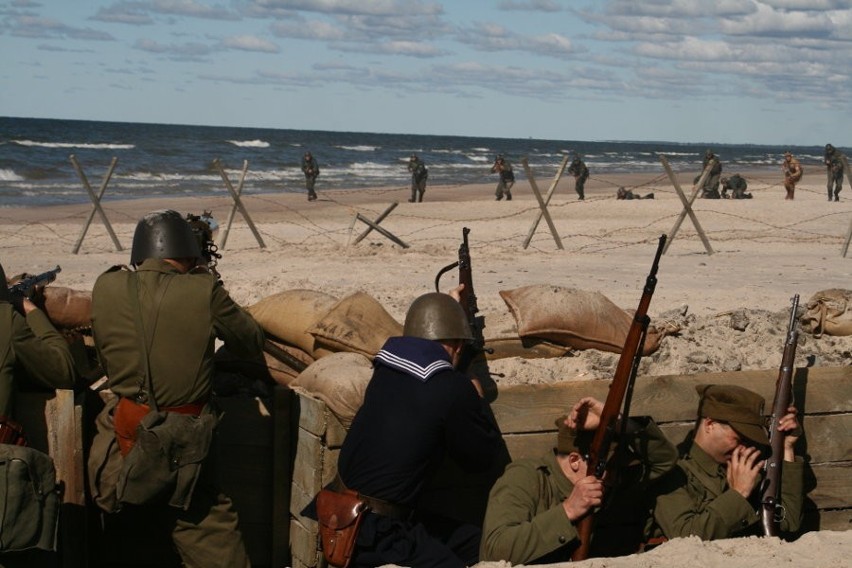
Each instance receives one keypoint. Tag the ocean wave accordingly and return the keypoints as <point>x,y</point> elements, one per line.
<point>360,148</point>
<point>87,146</point>
<point>9,175</point>
<point>250,143</point>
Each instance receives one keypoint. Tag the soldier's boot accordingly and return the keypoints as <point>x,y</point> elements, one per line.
<point>508,196</point>
<point>837,195</point>
<point>499,197</point>
<point>829,194</point>
<point>413,198</point>
<point>420,195</point>
<point>312,196</point>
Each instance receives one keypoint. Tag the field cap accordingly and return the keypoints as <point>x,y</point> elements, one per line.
<point>570,440</point>
<point>739,407</point>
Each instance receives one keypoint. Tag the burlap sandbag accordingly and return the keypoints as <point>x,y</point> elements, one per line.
<point>574,318</point>
<point>68,308</point>
<point>339,380</point>
<point>357,323</point>
<point>288,315</point>
<point>829,312</point>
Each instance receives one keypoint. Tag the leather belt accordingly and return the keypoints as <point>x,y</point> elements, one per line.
<point>378,506</point>
<point>129,413</point>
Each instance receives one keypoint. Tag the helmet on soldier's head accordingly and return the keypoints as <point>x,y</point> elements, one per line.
<point>4,289</point>
<point>308,154</point>
<point>413,157</point>
<point>724,181</point>
<point>438,317</point>
<point>708,153</point>
<point>163,234</point>
<point>829,148</point>
<point>788,154</point>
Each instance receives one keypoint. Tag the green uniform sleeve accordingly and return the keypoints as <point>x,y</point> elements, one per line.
<point>792,494</point>
<point>42,351</point>
<point>517,528</point>
<point>655,450</point>
<point>687,510</point>
<point>241,334</point>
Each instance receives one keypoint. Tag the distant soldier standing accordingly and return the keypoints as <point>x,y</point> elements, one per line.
<point>792,173</point>
<point>580,172</point>
<point>833,171</point>
<point>310,167</point>
<point>419,175</point>
<point>507,178</point>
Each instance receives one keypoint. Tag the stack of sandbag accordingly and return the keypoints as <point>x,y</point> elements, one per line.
<point>829,312</point>
<point>68,308</point>
<point>575,318</point>
<point>309,325</point>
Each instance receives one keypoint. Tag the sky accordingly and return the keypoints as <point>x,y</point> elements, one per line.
<point>726,71</point>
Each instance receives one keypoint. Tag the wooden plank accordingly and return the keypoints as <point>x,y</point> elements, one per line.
<point>839,520</point>
<point>828,438</point>
<point>305,547</point>
<point>668,398</point>
<point>831,486</point>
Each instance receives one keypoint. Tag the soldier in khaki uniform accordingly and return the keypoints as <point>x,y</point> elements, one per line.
<point>711,494</point>
<point>31,352</point>
<point>532,508</point>
<point>792,174</point>
<point>189,308</point>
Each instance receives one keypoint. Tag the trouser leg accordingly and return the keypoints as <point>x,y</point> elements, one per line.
<point>499,191</point>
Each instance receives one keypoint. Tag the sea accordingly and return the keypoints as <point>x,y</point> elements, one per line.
<point>172,160</point>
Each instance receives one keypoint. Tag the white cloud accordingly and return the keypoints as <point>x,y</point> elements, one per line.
<point>250,43</point>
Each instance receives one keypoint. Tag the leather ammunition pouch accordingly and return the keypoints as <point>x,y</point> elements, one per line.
<point>339,516</point>
<point>11,432</point>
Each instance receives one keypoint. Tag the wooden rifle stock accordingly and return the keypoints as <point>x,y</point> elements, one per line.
<point>771,510</point>
<point>617,397</point>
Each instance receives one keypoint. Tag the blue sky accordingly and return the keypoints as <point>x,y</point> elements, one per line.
<point>738,71</point>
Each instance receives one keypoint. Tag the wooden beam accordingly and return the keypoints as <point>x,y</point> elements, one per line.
<point>238,204</point>
<point>550,193</point>
<point>96,204</point>
<point>378,220</point>
<point>382,230</point>
<point>542,206</point>
<point>687,206</point>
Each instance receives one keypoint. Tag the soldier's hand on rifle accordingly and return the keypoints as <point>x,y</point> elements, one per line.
<point>789,424</point>
<point>744,469</point>
<point>587,494</point>
<point>586,414</point>
<point>456,292</point>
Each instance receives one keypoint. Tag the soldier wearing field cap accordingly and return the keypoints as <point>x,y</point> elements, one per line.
<point>713,492</point>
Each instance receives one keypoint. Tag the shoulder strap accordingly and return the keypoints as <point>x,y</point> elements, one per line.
<point>146,339</point>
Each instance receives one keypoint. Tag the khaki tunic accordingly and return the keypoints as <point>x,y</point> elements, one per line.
<point>699,501</point>
<point>194,311</point>
<point>32,352</point>
<point>525,520</point>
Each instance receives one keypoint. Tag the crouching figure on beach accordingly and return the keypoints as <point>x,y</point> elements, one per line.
<point>533,507</point>
<point>628,194</point>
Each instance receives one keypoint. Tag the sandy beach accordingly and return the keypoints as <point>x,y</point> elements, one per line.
<point>765,250</point>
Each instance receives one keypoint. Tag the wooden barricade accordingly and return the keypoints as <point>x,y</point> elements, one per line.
<point>526,414</point>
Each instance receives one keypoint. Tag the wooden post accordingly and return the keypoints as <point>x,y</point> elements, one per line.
<point>687,206</point>
<point>845,248</point>
<point>382,230</point>
<point>238,204</point>
<point>550,193</point>
<point>96,204</point>
<point>542,205</point>
<point>845,163</point>
<point>378,220</point>
<point>233,211</point>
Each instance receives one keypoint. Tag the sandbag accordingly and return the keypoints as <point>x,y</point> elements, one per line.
<point>68,308</point>
<point>288,315</point>
<point>358,323</point>
<point>830,312</point>
<point>339,380</point>
<point>574,318</point>
<point>524,347</point>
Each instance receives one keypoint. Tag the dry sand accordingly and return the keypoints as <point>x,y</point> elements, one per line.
<point>765,250</point>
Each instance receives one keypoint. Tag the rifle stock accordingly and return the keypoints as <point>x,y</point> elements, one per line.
<point>771,510</point>
<point>617,397</point>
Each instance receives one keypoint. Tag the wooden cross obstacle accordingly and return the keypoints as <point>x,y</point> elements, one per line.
<point>546,202</point>
<point>687,206</point>
<point>542,204</point>
<point>238,204</point>
<point>96,204</point>
<point>371,225</point>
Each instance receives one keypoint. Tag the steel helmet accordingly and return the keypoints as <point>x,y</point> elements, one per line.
<point>164,234</point>
<point>436,316</point>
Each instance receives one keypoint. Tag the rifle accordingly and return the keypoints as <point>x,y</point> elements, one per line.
<point>24,288</point>
<point>771,510</point>
<point>618,399</point>
<point>205,228</point>
<point>476,347</point>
